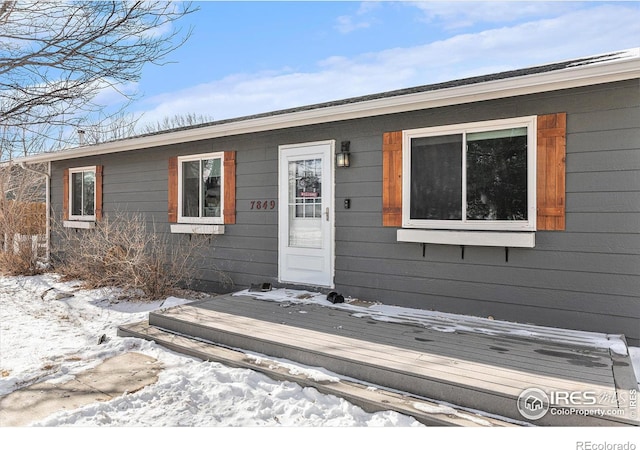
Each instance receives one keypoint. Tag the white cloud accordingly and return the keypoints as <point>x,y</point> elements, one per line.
<point>111,96</point>
<point>361,19</point>
<point>573,34</point>
<point>347,24</point>
<point>460,14</point>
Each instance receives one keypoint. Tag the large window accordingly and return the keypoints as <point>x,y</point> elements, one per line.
<point>472,176</point>
<point>200,188</point>
<point>82,193</point>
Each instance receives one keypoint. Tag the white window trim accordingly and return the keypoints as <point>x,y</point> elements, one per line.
<point>86,218</point>
<point>191,228</point>
<point>83,225</point>
<point>463,237</point>
<point>201,220</point>
<point>464,224</point>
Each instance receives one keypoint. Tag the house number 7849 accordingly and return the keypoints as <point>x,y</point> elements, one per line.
<point>263,204</point>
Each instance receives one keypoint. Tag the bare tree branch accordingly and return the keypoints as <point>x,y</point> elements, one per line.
<point>56,57</point>
<point>175,121</point>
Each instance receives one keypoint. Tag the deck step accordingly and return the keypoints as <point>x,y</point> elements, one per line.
<point>369,399</point>
<point>476,371</point>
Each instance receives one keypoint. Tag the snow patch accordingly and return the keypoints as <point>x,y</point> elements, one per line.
<point>53,340</point>
<point>434,409</point>
<point>634,354</point>
<point>447,322</point>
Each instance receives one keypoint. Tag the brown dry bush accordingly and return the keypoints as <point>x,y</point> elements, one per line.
<point>22,221</point>
<point>21,257</point>
<point>121,251</point>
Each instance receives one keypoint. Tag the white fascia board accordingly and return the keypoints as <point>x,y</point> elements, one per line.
<point>579,76</point>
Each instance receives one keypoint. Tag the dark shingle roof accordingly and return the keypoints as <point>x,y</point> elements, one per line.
<point>128,143</point>
<point>414,90</point>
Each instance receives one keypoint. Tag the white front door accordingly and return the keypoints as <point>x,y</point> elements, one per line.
<point>306,216</point>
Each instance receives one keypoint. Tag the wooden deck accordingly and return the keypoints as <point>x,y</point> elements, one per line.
<point>480,371</point>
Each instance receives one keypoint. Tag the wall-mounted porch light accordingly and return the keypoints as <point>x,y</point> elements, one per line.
<point>342,158</point>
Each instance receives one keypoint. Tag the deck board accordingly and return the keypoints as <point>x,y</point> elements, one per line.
<point>518,353</point>
<point>481,374</point>
<point>474,369</point>
<point>371,400</point>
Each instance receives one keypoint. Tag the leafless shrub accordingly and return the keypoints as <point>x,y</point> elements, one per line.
<point>22,221</point>
<point>121,251</point>
<point>20,256</point>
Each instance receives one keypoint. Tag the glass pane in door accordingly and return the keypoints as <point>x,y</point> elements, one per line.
<point>305,203</point>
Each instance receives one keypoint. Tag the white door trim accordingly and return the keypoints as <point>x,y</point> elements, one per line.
<point>291,151</point>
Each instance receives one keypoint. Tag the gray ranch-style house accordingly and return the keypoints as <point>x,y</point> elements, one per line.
<point>514,195</point>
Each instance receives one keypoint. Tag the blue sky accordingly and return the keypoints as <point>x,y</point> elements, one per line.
<point>250,57</point>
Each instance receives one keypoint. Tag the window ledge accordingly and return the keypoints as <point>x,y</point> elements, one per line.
<point>188,228</point>
<point>477,238</point>
<point>86,225</point>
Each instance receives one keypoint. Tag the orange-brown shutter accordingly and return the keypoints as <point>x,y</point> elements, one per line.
<point>173,190</point>
<point>229,187</point>
<point>552,131</point>
<point>65,195</point>
<point>392,179</point>
<point>98,206</point>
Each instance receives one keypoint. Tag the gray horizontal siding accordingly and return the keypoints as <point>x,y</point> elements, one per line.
<point>603,181</point>
<point>623,118</point>
<point>611,160</point>
<point>606,222</point>
<point>494,258</point>
<point>444,295</point>
<point>506,275</point>
<point>586,277</point>
<point>603,202</point>
<point>620,139</point>
<point>603,243</point>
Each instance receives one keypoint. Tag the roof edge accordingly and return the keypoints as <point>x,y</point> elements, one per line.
<point>605,70</point>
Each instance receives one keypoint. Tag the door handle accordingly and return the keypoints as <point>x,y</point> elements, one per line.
<point>326,213</point>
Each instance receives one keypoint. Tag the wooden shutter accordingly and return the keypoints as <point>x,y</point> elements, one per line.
<point>551,162</point>
<point>173,190</point>
<point>98,205</point>
<point>229,187</point>
<point>65,195</point>
<point>392,179</point>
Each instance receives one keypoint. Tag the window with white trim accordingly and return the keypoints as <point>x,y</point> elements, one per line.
<point>82,193</point>
<point>200,188</point>
<point>475,176</point>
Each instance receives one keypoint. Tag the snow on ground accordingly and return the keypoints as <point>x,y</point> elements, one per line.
<point>50,329</point>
